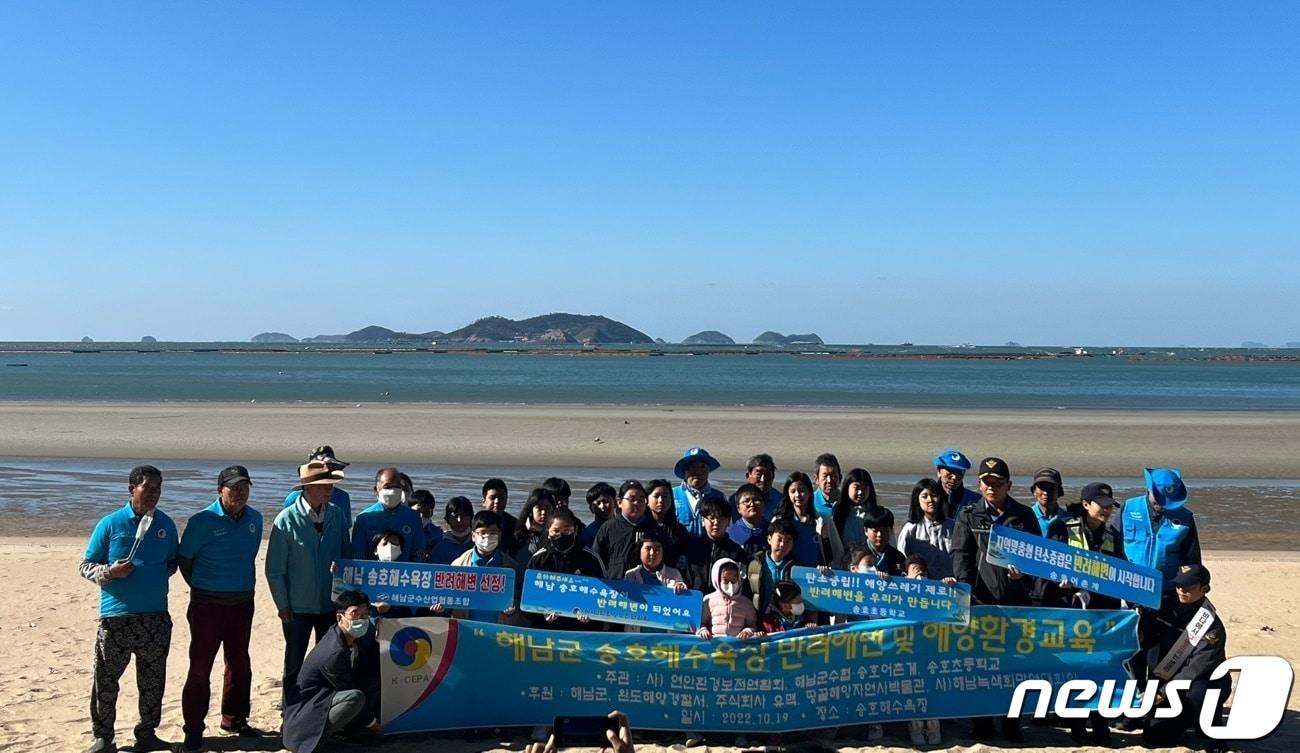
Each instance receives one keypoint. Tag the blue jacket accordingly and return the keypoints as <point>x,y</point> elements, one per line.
<point>144,591</point>
<point>376,519</point>
<point>1175,542</point>
<point>686,515</point>
<point>298,559</point>
<point>219,554</point>
<point>1046,521</point>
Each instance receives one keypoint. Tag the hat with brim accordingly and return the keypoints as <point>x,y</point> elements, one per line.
<point>994,468</point>
<point>1049,477</point>
<point>1192,575</point>
<point>325,454</point>
<point>1166,485</point>
<point>317,473</point>
<point>1098,493</point>
<point>695,455</point>
<point>952,459</point>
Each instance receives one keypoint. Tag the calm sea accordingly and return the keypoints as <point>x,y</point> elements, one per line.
<point>715,379</point>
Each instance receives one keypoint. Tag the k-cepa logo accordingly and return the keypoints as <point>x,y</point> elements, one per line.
<point>1263,688</point>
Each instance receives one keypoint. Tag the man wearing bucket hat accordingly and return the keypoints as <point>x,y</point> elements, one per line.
<point>339,498</point>
<point>1157,528</point>
<point>217,558</point>
<point>950,468</point>
<point>693,468</point>
<point>306,538</point>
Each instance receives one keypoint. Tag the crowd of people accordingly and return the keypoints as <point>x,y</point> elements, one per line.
<point>738,550</point>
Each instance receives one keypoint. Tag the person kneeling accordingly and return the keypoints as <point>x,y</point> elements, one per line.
<point>337,691</point>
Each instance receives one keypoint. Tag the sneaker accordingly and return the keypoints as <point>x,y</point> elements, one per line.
<point>916,732</point>
<point>243,729</point>
<point>933,734</point>
<point>192,743</point>
<point>694,740</point>
<point>875,732</point>
<point>102,745</point>
<point>150,741</point>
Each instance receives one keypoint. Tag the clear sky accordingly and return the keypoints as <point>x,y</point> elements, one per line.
<point>1120,173</point>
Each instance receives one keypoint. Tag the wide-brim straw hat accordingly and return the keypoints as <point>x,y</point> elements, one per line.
<point>317,472</point>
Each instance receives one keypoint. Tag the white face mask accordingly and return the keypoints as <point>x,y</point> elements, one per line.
<point>731,589</point>
<point>864,568</point>
<point>358,628</point>
<point>388,552</point>
<point>391,498</point>
<point>796,608</point>
<point>487,542</point>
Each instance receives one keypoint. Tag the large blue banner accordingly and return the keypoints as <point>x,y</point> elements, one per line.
<point>411,584</point>
<point>876,671</point>
<point>1092,571</point>
<point>870,596</point>
<point>618,601</point>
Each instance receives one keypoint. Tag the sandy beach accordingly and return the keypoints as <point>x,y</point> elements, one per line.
<point>1098,443</point>
<point>48,639</point>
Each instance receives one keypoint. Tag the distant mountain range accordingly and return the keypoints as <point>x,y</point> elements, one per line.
<point>582,329</point>
<point>558,328</point>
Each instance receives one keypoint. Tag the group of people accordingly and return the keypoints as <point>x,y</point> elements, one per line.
<point>737,549</point>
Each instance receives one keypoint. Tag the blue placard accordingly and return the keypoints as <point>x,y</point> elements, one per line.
<point>618,601</point>
<point>435,671</point>
<point>1092,571</point>
<point>869,595</point>
<point>411,584</point>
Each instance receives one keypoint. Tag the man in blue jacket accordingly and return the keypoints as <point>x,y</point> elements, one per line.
<point>338,496</point>
<point>950,468</point>
<point>130,556</point>
<point>306,539</point>
<point>217,558</point>
<point>337,691</point>
<point>390,512</point>
<point>693,468</point>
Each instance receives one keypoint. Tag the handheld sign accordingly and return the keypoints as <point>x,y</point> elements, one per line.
<point>1086,569</point>
<point>869,595</point>
<point>411,584</point>
<point>141,528</point>
<point>618,601</point>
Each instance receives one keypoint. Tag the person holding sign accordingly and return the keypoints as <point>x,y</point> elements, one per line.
<point>486,552</point>
<point>563,554</point>
<point>726,611</point>
<point>774,565</point>
<point>989,583</point>
<point>1192,644</point>
<point>856,499</point>
<point>131,554</point>
<point>879,527</point>
<point>1086,528</point>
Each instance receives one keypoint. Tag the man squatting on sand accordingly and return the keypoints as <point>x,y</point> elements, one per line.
<point>737,550</point>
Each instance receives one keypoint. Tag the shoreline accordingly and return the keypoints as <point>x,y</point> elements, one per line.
<point>1103,443</point>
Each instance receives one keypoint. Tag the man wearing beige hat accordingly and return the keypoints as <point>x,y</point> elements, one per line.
<point>306,538</point>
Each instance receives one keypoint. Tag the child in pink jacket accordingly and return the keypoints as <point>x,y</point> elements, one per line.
<point>726,611</point>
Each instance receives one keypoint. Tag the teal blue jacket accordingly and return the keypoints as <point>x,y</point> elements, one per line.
<point>298,559</point>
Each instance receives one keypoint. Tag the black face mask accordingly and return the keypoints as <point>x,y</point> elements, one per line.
<point>564,542</point>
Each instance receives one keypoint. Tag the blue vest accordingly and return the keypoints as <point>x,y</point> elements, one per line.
<point>1158,549</point>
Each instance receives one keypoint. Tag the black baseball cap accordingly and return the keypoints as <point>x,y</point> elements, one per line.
<point>232,475</point>
<point>1049,476</point>
<point>994,467</point>
<point>326,453</point>
<point>1192,575</point>
<point>1098,492</point>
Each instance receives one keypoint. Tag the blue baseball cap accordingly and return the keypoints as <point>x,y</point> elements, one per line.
<point>953,460</point>
<point>693,455</point>
<point>1166,485</point>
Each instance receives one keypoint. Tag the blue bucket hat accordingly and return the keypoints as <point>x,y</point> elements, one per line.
<point>953,460</point>
<point>691,455</point>
<point>1166,485</point>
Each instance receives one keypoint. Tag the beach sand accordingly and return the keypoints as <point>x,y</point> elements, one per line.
<point>1081,443</point>
<point>47,638</point>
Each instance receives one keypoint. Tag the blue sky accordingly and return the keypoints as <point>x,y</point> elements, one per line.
<point>940,173</point>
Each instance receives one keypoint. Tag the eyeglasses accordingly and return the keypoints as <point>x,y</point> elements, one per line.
<point>750,502</point>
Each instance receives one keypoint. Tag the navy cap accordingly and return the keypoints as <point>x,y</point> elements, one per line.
<point>1098,492</point>
<point>232,475</point>
<point>1192,575</point>
<point>953,460</point>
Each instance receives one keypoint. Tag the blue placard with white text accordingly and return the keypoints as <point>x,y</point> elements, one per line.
<point>869,595</point>
<point>1091,571</point>
<point>618,601</point>
<point>412,584</point>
